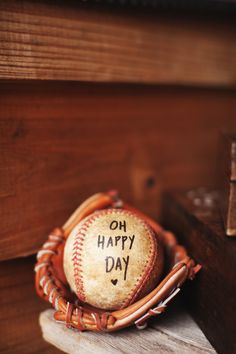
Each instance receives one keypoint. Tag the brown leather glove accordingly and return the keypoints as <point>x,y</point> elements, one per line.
<point>51,283</point>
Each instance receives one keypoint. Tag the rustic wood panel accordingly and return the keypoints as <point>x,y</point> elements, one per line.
<point>59,143</point>
<point>19,310</point>
<point>211,297</point>
<point>227,156</point>
<point>174,332</point>
<point>232,153</point>
<point>69,41</point>
<point>231,215</point>
<point>228,207</point>
<point>227,181</point>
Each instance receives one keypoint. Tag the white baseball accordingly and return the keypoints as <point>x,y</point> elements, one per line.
<point>112,258</point>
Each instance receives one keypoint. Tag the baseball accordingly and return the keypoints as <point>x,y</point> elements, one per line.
<point>112,258</point>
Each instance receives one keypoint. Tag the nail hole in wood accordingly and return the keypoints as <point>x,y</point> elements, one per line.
<point>150,182</point>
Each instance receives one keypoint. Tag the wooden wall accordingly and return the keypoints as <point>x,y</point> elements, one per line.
<point>62,142</point>
<point>91,99</point>
<point>72,40</point>
<point>20,308</point>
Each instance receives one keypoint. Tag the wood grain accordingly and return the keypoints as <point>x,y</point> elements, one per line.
<point>227,181</point>
<point>60,143</point>
<point>232,152</point>
<point>231,219</point>
<point>19,310</point>
<point>227,156</point>
<point>175,332</point>
<point>71,41</point>
<point>211,297</point>
<point>228,207</point>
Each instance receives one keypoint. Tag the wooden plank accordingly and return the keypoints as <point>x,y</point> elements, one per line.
<point>59,41</point>
<point>19,310</point>
<point>228,205</point>
<point>196,220</point>
<point>175,332</point>
<point>60,143</point>
<point>227,158</point>
<point>227,181</point>
<point>231,137</point>
<point>230,221</point>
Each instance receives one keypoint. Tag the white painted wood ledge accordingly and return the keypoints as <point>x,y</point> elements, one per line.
<point>173,332</point>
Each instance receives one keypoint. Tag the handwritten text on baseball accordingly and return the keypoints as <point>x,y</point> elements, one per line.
<point>124,242</point>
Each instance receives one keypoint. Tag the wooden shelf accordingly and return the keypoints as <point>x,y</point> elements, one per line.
<point>173,332</point>
<point>194,216</point>
<point>67,41</point>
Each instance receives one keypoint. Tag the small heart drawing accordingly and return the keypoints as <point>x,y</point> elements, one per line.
<point>114,281</point>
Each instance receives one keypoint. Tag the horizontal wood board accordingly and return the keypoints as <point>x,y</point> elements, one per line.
<point>69,41</point>
<point>60,143</point>
<point>173,332</point>
<point>19,310</point>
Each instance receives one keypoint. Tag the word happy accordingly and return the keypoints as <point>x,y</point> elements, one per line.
<point>106,242</point>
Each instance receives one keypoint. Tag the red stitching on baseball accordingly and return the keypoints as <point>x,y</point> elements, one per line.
<point>141,281</point>
<point>77,260</point>
<point>77,256</point>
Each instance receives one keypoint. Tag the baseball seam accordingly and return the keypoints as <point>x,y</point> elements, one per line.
<point>77,255</point>
<point>148,267</point>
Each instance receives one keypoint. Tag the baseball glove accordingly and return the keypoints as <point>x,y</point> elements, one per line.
<point>52,286</point>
